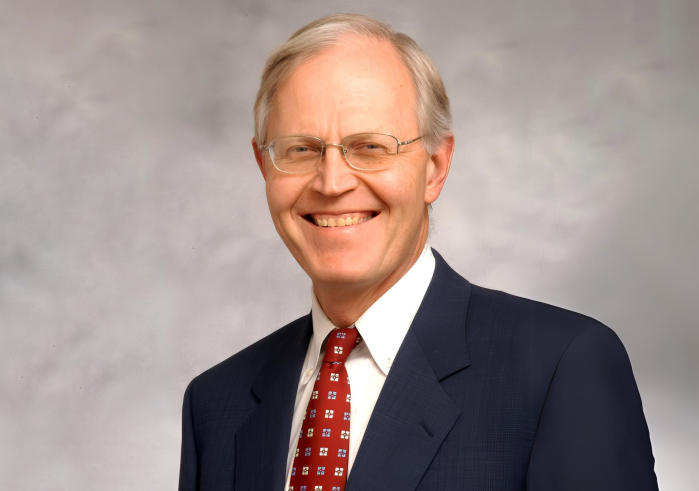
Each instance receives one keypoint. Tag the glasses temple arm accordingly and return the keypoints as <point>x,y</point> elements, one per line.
<point>409,141</point>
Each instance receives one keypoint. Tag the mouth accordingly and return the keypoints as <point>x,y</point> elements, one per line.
<point>340,220</point>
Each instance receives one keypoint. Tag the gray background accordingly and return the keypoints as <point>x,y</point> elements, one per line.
<point>136,249</point>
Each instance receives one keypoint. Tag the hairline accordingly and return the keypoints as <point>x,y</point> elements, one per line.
<point>323,49</point>
<point>328,36</point>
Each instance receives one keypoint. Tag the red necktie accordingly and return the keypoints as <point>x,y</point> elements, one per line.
<point>320,461</point>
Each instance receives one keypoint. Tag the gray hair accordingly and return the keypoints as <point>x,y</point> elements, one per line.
<point>433,112</point>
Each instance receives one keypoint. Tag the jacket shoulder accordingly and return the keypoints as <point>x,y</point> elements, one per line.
<point>547,326</point>
<point>526,342</point>
<point>240,369</point>
<point>528,338</point>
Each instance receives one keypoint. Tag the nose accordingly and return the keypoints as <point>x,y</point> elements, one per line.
<point>334,176</point>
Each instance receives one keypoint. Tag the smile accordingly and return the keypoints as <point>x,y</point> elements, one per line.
<point>342,220</point>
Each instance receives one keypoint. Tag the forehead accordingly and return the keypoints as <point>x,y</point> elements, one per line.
<point>360,84</point>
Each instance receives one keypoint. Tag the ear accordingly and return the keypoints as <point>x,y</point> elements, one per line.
<point>259,158</point>
<point>438,168</point>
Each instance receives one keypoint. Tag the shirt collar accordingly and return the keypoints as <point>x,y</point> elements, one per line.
<point>384,324</point>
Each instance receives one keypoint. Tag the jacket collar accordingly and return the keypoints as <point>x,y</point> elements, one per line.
<point>414,414</point>
<point>411,418</point>
<point>262,441</point>
<point>440,323</point>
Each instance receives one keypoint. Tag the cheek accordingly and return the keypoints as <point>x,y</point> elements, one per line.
<point>281,195</point>
<point>404,192</point>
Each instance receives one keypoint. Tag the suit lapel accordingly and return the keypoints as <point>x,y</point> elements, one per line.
<point>413,414</point>
<point>262,441</point>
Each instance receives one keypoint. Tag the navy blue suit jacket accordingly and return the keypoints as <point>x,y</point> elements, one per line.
<point>488,391</point>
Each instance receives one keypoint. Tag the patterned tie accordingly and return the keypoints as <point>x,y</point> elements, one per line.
<point>320,461</point>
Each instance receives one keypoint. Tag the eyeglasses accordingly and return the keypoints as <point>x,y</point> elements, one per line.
<point>363,151</point>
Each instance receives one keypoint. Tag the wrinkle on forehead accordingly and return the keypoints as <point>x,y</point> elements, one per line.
<point>358,85</point>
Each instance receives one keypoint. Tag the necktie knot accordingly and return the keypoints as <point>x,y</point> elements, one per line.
<point>340,344</point>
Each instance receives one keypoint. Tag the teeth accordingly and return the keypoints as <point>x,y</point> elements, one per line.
<point>340,222</point>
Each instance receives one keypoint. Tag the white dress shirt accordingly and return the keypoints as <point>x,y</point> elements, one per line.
<point>382,328</point>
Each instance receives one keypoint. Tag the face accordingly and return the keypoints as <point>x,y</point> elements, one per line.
<point>356,87</point>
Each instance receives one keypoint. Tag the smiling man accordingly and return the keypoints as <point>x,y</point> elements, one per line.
<point>453,386</point>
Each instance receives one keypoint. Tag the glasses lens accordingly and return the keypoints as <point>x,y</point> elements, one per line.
<point>371,151</point>
<point>295,153</point>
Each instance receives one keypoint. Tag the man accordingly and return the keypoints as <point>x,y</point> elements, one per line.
<point>453,386</point>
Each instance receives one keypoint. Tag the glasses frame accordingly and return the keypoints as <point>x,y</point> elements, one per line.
<point>324,145</point>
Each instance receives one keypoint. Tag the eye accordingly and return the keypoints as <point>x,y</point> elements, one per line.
<point>369,147</point>
<point>372,146</point>
<point>301,149</point>
<point>296,148</point>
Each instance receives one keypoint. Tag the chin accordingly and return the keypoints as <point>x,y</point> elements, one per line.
<point>339,271</point>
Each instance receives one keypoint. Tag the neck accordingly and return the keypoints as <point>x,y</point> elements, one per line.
<point>344,304</point>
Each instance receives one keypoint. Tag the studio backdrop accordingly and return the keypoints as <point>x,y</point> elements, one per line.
<point>137,250</point>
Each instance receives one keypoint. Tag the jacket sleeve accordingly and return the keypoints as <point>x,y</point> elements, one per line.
<point>592,433</point>
<point>188,459</point>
